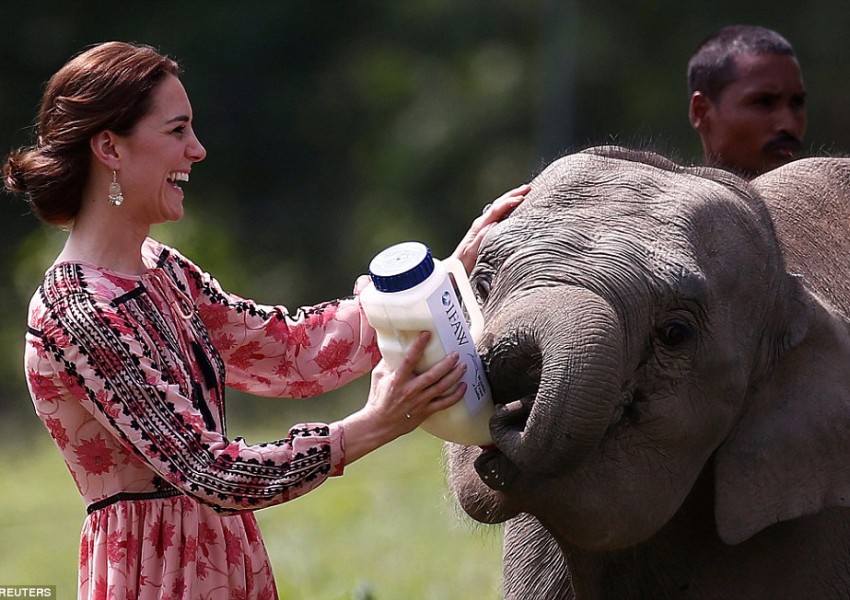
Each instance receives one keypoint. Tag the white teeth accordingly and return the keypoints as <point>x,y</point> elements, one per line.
<point>178,176</point>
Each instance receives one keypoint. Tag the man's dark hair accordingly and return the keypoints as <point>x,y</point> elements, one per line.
<point>712,66</point>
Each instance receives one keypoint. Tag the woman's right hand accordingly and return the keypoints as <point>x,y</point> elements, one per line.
<point>399,401</point>
<point>498,210</point>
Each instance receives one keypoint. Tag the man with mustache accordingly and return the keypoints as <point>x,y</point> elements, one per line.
<point>747,100</point>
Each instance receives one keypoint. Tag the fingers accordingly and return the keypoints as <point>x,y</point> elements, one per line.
<point>411,390</point>
<point>429,395</point>
<point>442,379</point>
<point>361,283</point>
<point>449,399</point>
<point>448,381</point>
<point>498,210</point>
<point>413,355</point>
<point>434,375</point>
<point>505,204</point>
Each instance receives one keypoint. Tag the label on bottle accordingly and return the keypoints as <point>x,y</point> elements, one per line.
<point>453,330</point>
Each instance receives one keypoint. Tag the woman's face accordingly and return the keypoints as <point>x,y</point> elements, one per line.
<point>157,156</point>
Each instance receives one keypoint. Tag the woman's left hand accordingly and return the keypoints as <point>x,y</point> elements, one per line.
<point>399,401</point>
<point>467,250</point>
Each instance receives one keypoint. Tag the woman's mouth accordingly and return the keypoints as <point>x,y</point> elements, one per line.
<point>177,177</point>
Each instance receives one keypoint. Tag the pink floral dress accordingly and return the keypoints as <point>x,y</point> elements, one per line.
<point>128,375</point>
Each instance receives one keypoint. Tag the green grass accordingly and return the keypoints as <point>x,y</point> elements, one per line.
<point>386,530</point>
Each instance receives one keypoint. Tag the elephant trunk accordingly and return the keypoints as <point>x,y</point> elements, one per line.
<point>576,352</point>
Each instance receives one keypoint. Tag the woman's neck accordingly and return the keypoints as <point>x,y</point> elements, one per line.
<point>106,243</point>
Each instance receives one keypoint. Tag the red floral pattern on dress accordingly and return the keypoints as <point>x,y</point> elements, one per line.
<point>73,385</point>
<point>334,356</point>
<point>304,389</point>
<point>94,456</point>
<point>132,548</point>
<point>278,330</point>
<point>190,551</point>
<point>320,318</point>
<point>42,386</point>
<point>203,570</point>
<point>232,548</point>
<point>247,355</point>
<point>160,535</point>
<point>100,589</point>
<point>116,547</point>
<point>133,395</point>
<point>216,316</point>
<point>57,432</point>
<point>206,537</point>
<point>300,339</point>
<point>284,368</point>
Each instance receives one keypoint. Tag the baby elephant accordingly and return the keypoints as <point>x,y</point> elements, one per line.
<point>669,349</point>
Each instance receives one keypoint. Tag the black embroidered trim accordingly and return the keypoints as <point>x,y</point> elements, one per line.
<point>126,496</point>
<point>162,258</point>
<point>131,295</point>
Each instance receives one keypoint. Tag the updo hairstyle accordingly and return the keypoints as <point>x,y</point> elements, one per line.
<point>107,87</point>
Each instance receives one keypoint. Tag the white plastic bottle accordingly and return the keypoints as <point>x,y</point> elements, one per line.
<point>412,292</point>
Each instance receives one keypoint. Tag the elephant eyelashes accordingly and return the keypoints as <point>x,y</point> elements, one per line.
<point>675,333</point>
<point>482,288</point>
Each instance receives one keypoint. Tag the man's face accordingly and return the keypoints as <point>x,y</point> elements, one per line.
<point>759,121</point>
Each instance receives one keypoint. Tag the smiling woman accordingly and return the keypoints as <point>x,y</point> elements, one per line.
<point>130,345</point>
<point>142,166</point>
<point>160,152</point>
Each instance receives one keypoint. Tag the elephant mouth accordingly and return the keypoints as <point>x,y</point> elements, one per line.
<point>514,372</point>
<point>493,467</point>
<point>514,369</point>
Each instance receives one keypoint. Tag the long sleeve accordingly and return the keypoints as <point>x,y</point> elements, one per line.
<point>132,389</point>
<point>270,352</point>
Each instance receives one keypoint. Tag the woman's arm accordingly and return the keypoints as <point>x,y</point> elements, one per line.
<point>269,351</point>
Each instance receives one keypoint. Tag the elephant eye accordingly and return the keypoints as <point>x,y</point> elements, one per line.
<point>481,285</point>
<point>675,333</point>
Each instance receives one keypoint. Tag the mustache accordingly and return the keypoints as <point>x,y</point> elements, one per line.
<point>784,141</point>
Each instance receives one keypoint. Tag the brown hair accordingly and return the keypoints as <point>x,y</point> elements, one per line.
<point>107,87</point>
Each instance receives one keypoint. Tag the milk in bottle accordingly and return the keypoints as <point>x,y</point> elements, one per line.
<point>412,292</point>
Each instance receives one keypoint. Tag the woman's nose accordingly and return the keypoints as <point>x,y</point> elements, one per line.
<point>196,150</point>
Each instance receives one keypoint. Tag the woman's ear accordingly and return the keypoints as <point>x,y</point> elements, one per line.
<point>104,148</point>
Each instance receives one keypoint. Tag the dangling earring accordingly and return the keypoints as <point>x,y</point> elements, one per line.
<point>116,198</point>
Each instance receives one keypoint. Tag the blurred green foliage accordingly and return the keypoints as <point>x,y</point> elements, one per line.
<point>335,128</point>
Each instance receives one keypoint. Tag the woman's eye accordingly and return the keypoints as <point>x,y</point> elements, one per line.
<point>675,333</point>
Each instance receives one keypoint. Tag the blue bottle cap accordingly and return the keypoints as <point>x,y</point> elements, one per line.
<point>401,267</point>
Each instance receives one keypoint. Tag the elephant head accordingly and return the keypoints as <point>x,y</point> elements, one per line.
<point>643,332</point>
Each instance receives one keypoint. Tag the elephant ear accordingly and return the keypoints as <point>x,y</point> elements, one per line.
<point>789,455</point>
<point>809,204</point>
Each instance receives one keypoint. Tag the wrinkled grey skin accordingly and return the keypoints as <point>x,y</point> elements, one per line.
<point>675,381</point>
